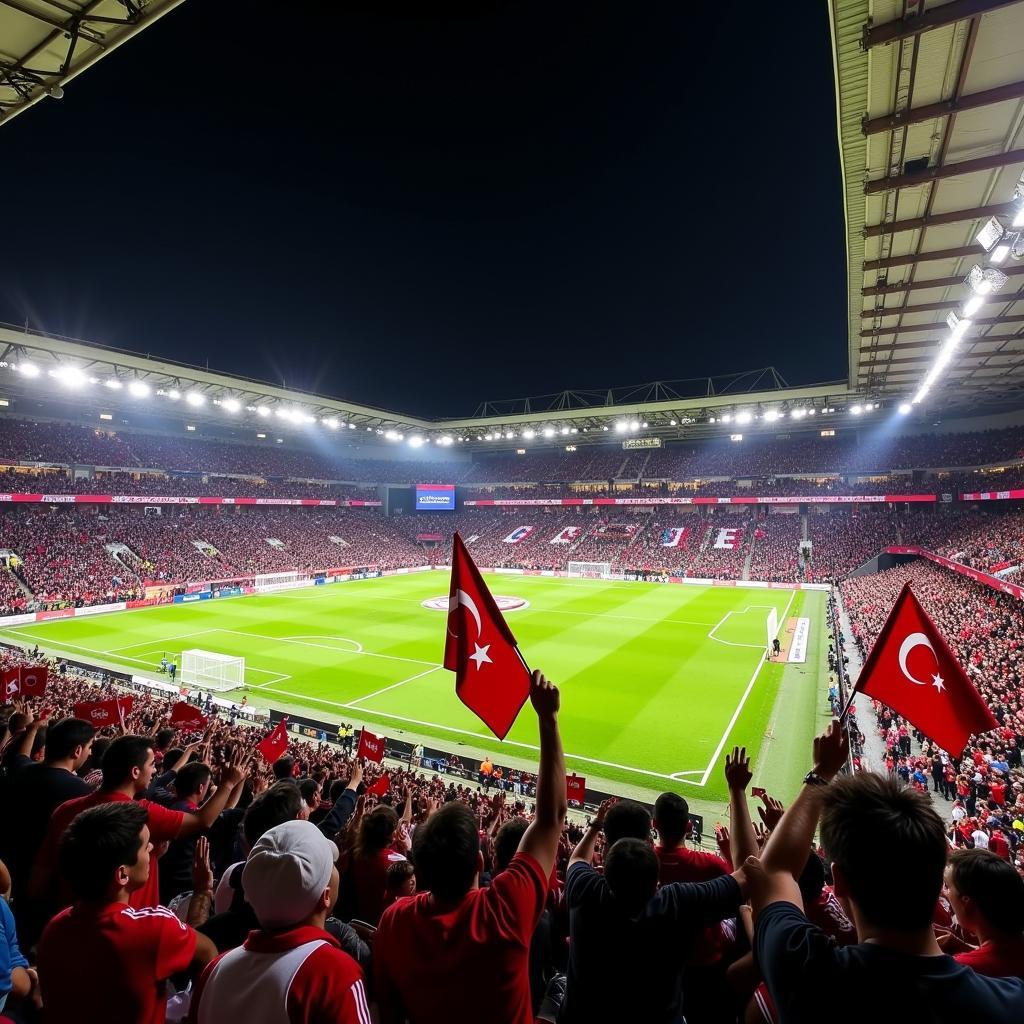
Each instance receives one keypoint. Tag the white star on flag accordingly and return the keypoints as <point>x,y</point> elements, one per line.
<point>479,655</point>
<point>937,682</point>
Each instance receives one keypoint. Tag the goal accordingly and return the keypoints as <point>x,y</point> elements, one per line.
<point>589,570</point>
<point>267,582</point>
<point>212,671</point>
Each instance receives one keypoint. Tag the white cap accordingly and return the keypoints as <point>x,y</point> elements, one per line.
<point>286,872</point>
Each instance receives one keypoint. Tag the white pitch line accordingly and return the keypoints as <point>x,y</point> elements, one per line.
<point>477,735</point>
<point>728,643</point>
<point>155,643</point>
<point>303,643</point>
<point>743,700</point>
<point>401,682</point>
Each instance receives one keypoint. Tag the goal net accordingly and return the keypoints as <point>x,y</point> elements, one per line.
<point>212,671</point>
<point>267,582</point>
<point>589,570</point>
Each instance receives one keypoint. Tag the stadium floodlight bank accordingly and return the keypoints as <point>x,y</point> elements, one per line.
<point>269,582</point>
<point>212,671</point>
<point>589,570</point>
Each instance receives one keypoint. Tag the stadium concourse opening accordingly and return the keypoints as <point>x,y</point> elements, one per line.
<point>761,723</point>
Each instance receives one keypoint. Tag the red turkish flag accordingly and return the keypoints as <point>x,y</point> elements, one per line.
<point>104,712</point>
<point>33,680</point>
<point>576,788</point>
<point>274,745</point>
<point>913,671</point>
<point>380,787</point>
<point>371,747</point>
<point>186,716</point>
<point>490,676</point>
<point>11,684</point>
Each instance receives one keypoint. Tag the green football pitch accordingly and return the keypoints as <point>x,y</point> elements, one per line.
<point>657,681</point>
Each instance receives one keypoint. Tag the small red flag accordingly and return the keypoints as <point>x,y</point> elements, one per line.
<point>576,788</point>
<point>104,712</point>
<point>380,787</point>
<point>186,716</point>
<point>371,747</point>
<point>490,676</point>
<point>912,670</point>
<point>274,745</point>
<point>11,684</point>
<point>33,680</point>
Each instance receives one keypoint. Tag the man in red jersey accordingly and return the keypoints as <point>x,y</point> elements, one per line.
<point>128,768</point>
<point>457,952</point>
<point>100,959</point>
<point>289,971</point>
<point>676,862</point>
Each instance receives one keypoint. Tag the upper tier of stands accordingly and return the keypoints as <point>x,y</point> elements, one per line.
<point>754,458</point>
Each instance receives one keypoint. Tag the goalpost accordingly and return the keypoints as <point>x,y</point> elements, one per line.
<point>212,671</point>
<point>268,582</point>
<point>589,570</point>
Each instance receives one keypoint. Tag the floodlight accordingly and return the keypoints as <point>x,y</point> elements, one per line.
<point>231,404</point>
<point>529,435</point>
<point>959,325</point>
<point>190,426</point>
<point>798,414</point>
<point>488,437</point>
<point>634,426</point>
<point>905,407</point>
<point>989,236</point>
<point>113,383</point>
<point>711,419</point>
<point>605,427</point>
<point>727,418</point>
<point>446,440</point>
<point>510,435</point>
<point>174,394</point>
<point>138,389</point>
<point>771,416</point>
<point>671,423</point>
<point>743,417</point>
<point>564,430</point>
<point>811,412</point>
<point>332,422</point>
<point>351,426</point>
<point>973,304</point>
<point>106,416</point>
<point>416,442</point>
<point>28,369</point>
<point>985,281</point>
<point>921,392</point>
<point>621,427</point>
<point>281,412</point>
<point>194,398</point>
<point>69,376</point>
<point>392,435</point>
<point>856,410</point>
<point>573,430</point>
<point>263,410</point>
<point>549,431</point>
<point>645,426</point>
<point>261,435</point>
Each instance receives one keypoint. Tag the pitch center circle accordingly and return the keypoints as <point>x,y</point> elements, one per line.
<point>504,602</point>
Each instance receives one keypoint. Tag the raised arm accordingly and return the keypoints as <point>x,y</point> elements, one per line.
<point>541,839</point>
<point>743,841</point>
<point>584,851</point>
<point>234,775</point>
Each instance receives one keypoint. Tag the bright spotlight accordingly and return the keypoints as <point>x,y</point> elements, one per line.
<point>621,427</point>
<point>416,442</point>
<point>69,376</point>
<point>905,407</point>
<point>195,399</point>
<point>28,370</point>
<point>564,430</point>
<point>727,418</point>
<point>798,414</point>
<point>958,325</point>
<point>138,389</point>
<point>263,410</point>
<point>445,441</point>
<point>973,304</point>
<point>856,410</point>
<point>332,422</point>
<point>671,423</point>
<point>351,426</point>
<point>529,435</point>
<point>231,404</point>
<point>985,281</point>
<point>392,435</point>
<point>771,416</point>
<point>113,383</point>
<point>549,431</point>
<point>634,426</point>
<point>743,418</point>
<point>174,394</point>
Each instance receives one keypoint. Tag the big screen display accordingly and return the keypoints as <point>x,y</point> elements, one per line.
<point>435,497</point>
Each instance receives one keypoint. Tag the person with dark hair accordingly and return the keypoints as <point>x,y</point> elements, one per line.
<point>622,925</point>
<point>365,869</point>
<point>987,896</point>
<point>28,798</point>
<point>400,882</point>
<point>478,939</point>
<point>191,784</point>
<point>290,968</point>
<point>626,819</point>
<point>100,957</point>
<point>127,772</point>
<point>284,769</point>
<point>676,861</point>
<point>887,848</point>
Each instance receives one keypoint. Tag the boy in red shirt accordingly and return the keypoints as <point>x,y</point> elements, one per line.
<point>100,959</point>
<point>478,939</point>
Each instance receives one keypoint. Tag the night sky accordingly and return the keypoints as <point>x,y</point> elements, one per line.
<point>421,212</point>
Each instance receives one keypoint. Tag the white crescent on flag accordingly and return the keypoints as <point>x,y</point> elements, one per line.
<point>912,641</point>
<point>464,599</point>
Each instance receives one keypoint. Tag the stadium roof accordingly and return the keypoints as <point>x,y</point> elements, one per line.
<point>931,129</point>
<point>44,44</point>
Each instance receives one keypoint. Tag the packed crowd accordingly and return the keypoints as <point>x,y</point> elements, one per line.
<point>150,873</point>
<point>776,549</point>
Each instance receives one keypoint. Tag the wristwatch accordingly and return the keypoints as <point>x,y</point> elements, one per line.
<point>812,778</point>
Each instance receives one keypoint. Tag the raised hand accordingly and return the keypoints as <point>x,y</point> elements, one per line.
<point>544,695</point>
<point>771,813</point>
<point>602,811</point>
<point>202,873</point>
<point>737,769</point>
<point>831,750</point>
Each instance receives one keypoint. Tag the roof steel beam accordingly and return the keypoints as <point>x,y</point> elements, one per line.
<point>988,321</point>
<point>937,17</point>
<point>934,219</point>
<point>984,163</point>
<point>922,257</point>
<point>930,111</point>
<point>935,282</point>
